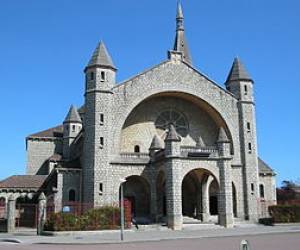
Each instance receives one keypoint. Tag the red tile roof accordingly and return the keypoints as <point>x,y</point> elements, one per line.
<point>51,132</point>
<point>23,181</point>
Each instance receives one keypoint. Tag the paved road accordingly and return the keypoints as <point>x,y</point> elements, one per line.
<point>282,241</point>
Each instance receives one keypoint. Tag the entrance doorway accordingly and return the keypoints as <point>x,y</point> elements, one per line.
<point>137,192</point>
<point>200,191</point>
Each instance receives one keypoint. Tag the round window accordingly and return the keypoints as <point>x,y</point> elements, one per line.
<point>171,116</point>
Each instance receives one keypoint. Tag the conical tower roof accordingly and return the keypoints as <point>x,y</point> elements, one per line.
<point>238,72</point>
<point>101,57</point>
<point>180,44</point>
<point>222,136</point>
<point>73,116</point>
<point>156,143</point>
<point>172,134</point>
<point>200,142</point>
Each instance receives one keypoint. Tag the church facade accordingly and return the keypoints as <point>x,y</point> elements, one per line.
<point>181,145</point>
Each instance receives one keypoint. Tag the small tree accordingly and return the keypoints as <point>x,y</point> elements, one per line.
<point>287,191</point>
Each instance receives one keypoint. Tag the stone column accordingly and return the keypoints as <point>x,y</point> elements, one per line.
<point>198,201</point>
<point>11,214</point>
<point>205,199</point>
<point>225,192</point>
<point>153,201</point>
<point>173,193</point>
<point>58,196</point>
<point>42,213</point>
<point>225,195</point>
<point>173,179</point>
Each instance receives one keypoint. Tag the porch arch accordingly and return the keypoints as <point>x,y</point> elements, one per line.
<point>200,190</point>
<point>137,192</point>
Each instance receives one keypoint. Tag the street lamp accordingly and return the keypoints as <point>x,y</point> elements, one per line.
<point>244,245</point>
<point>122,208</point>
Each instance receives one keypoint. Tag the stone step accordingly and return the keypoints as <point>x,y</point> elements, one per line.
<point>190,220</point>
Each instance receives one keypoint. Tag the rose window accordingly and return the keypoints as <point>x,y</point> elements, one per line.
<point>168,117</point>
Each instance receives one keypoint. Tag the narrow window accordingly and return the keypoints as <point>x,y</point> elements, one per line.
<point>73,128</point>
<point>100,188</point>
<point>248,126</point>
<point>2,202</point>
<point>261,191</point>
<point>92,76</point>
<point>136,149</point>
<point>72,195</point>
<point>102,76</point>
<point>101,142</point>
<point>249,147</point>
<point>86,81</point>
<point>252,187</point>
<point>101,119</point>
<point>245,89</point>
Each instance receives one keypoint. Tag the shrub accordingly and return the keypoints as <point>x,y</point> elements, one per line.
<point>62,222</point>
<point>285,213</point>
<point>94,219</point>
<point>101,218</point>
<point>266,221</point>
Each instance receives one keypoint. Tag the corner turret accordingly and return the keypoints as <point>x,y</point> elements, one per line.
<point>100,71</point>
<point>172,142</point>
<point>72,126</point>
<point>239,82</point>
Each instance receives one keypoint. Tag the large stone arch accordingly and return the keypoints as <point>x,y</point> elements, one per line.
<point>210,109</point>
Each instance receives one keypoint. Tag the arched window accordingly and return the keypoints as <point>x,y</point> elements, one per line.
<point>2,207</point>
<point>72,195</point>
<point>136,149</point>
<point>2,202</point>
<point>92,76</point>
<point>171,116</point>
<point>261,191</point>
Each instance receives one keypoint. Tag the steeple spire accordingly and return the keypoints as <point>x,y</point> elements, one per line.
<point>180,44</point>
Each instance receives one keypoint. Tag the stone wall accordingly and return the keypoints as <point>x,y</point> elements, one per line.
<point>38,151</point>
<point>71,180</point>
<point>184,82</point>
<point>269,183</point>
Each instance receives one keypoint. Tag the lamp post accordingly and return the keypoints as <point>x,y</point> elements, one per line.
<point>122,208</point>
<point>244,245</point>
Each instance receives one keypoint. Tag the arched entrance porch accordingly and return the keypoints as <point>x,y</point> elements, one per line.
<point>200,190</point>
<point>137,192</point>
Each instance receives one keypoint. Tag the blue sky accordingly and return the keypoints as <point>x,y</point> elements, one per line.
<point>45,45</point>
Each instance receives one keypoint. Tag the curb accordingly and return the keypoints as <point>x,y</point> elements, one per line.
<point>11,241</point>
<point>167,239</point>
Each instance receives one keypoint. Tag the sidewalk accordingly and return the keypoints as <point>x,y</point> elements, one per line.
<point>189,231</point>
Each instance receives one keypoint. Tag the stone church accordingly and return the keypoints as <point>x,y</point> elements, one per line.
<point>183,146</point>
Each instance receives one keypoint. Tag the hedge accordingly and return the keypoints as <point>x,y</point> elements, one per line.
<point>94,219</point>
<point>285,213</point>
